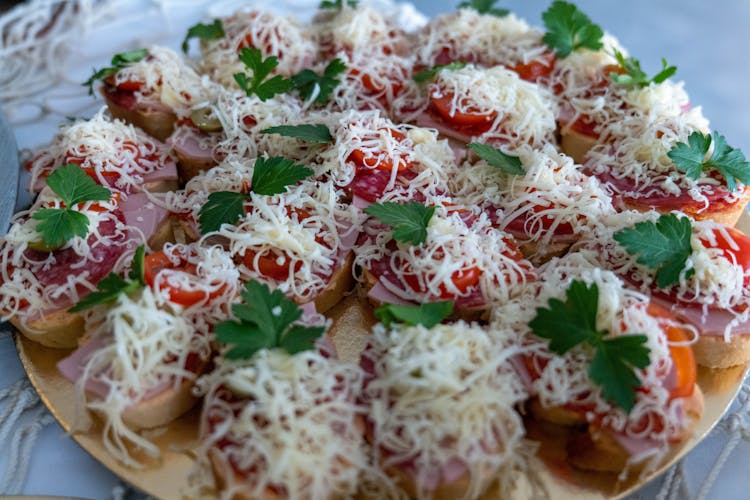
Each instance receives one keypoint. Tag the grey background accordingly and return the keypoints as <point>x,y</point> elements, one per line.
<point>708,41</point>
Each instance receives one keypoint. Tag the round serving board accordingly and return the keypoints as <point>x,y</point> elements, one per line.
<point>167,477</point>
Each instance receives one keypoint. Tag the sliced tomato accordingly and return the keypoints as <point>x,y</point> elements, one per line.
<point>130,86</point>
<point>443,104</point>
<point>463,279</point>
<point>737,250</point>
<point>369,84</point>
<point>382,161</point>
<point>536,69</point>
<point>155,262</point>
<point>270,264</point>
<point>682,354</point>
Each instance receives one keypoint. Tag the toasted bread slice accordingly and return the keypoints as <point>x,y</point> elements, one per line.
<point>156,123</point>
<point>59,329</point>
<point>164,407</point>
<point>712,351</point>
<point>575,144</point>
<point>341,282</point>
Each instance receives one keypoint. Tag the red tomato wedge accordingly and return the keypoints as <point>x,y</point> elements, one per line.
<point>274,264</point>
<point>158,261</point>
<point>737,250</point>
<point>682,354</point>
<point>443,104</point>
<point>382,161</point>
<point>535,69</point>
<point>463,279</point>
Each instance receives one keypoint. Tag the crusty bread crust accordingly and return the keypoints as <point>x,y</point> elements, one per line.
<point>164,407</point>
<point>558,415</point>
<point>575,144</point>
<point>538,254</point>
<point>341,282</point>
<point>597,450</point>
<point>58,329</point>
<point>713,351</point>
<point>189,166</point>
<point>163,234</point>
<point>156,123</point>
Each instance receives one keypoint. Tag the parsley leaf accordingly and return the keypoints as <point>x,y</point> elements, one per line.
<point>71,184</point>
<point>112,285</point>
<point>257,84</point>
<point>634,76</point>
<point>409,220</point>
<point>118,62</point>
<point>569,29</point>
<point>222,207</point>
<point>204,32</point>
<point>58,225</point>
<point>664,246</point>
<point>614,360</point>
<point>496,158</point>
<point>573,322</point>
<point>307,82</point>
<point>429,74</point>
<point>265,322</point>
<point>484,7</point>
<point>690,157</point>
<point>427,315</point>
<point>308,132</point>
<point>336,4</point>
<point>272,175</point>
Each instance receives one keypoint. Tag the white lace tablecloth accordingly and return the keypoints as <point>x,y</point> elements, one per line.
<point>40,80</point>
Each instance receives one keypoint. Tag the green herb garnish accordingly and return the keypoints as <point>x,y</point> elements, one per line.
<point>265,322</point>
<point>634,76</point>
<point>307,81</point>
<point>111,286</point>
<point>484,7</point>
<point>71,184</point>
<point>691,158</point>
<point>427,315</point>
<point>118,62</point>
<point>204,32</point>
<point>569,29</point>
<point>409,220</point>
<point>496,158</point>
<point>615,360</point>
<point>270,176</point>
<point>257,84</point>
<point>429,74</point>
<point>663,246</point>
<point>318,133</point>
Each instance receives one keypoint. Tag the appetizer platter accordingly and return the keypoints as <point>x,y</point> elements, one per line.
<point>340,259</point>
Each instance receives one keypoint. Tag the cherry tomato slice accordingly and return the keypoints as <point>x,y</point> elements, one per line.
<point>682,354</point>
<point>535,69</point>
<point>737,250</point>
<point>382,162</point>
<point>270,264</point>
<point>443,104</point>
<point>158,261</point>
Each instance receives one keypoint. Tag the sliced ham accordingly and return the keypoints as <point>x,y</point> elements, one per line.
<point>381,294</point>
<point>73,366</point>
<point>426,120</point>
<point>168,172</point>
<point>712,322</point>
<point>143,214</point>
<point>187,143</point>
